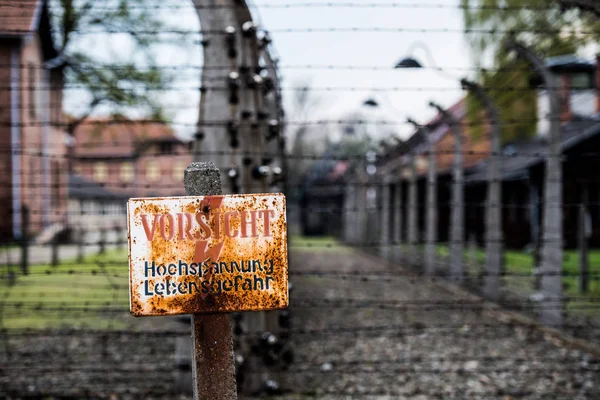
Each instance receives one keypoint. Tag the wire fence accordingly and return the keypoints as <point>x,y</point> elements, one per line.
<point>391,295</point>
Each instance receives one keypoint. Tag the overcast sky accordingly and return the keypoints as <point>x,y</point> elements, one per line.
<point>354,49</point>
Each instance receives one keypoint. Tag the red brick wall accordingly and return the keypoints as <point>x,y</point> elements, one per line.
<point>35,180</point>
<point>168,183</point>
<point>32,178</point>
<point>474,149</point>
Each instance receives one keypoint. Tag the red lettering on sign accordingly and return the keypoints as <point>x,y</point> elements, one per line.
<point>252,223</point>
<point>266,215</point>
<point>209,224</point>
<point>228,231</point>
<point>163,227</point>
<point>185,225</point>
<point>149,232</point>
<point>205,232</point>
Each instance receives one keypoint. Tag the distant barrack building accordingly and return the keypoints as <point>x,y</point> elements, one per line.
<point>139,158</point>
<point>33,143</point>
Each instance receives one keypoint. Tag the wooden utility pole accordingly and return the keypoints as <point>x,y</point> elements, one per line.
<point>493,227</point>
<point>213,367</point>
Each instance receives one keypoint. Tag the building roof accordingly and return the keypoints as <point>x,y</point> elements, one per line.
<point>520,157</point>
<point>437,126</point>
<point>569,63</point>
<point>19,18</point>
<point>26,17</point>
<point>438,129</point>
<point>120,139</point>
<point>83,189</point>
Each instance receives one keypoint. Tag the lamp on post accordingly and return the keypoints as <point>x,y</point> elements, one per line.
<point>410,62</point>
<point>372,104</point>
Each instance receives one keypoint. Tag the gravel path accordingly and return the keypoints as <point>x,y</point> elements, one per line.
<point>363,335</point>
<point>400,337</point>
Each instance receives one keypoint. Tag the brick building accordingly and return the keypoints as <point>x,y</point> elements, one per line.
<point>32,143</point>
<point>139,158</point>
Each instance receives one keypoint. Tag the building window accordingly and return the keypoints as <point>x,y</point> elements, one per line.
<point>31,90</point>
<point>152,172</point>
<point>100,172</point>
<point>166,148</point>
<point>582,81</point>
<point>178,170</point>
<point>127,173</point>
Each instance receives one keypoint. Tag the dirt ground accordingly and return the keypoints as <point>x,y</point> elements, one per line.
<point>361,329</point>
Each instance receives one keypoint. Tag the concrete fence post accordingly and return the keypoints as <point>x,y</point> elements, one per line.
<point>349,225</point>
<point>584,232</point>
<point>54,252</point>
<point>432,211</point>
<point>413,224</point>
<point>80,243</point>
<point>385,220</point>
<point>457,216</point>
<point>398,220</point>
<point>25,241</point>
<point>493,209</point>
<point>102,241</point>
<point>361,213</point>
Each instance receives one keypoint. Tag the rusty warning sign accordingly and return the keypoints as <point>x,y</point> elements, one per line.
<point>207,254</point>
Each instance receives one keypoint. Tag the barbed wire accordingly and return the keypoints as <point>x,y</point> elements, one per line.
<point>280,66</point>
<point>322,122</point>
<point>317,210</point>
<point>404,328</point>
<point>17,308</point>
<point>365,277</point>
<point>373,89</point>
<point>311,30</point>
<point>531,5</point>
<point>85,153</point>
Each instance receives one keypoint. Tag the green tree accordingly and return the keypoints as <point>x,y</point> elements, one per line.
<point>547,28</point>
<point>126,82</point>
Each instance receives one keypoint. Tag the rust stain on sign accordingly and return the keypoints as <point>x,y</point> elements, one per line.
<point>207,254</point>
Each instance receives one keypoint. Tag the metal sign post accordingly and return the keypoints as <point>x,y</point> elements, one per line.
<point>206,255</point>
